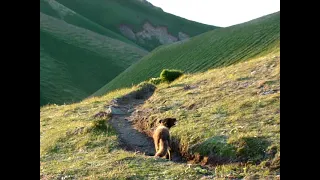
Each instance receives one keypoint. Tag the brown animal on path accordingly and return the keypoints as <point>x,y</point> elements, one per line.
<point>161,137</point>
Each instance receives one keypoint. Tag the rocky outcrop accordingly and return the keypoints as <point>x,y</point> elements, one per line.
<point>150,32</point>
<point>160,33</point>
<point>126,31</point>
<point>115,110</point>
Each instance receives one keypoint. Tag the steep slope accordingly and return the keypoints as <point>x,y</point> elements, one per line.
<point>75,62</point>
<point>139,21</point>
<point>59,11</point>
<point>220,47</point>
<point>85,44</point>
<point>226,115</point>
<point>75,145</point>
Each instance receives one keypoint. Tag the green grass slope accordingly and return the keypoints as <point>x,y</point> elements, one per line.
<point>59,11</point>
<point>72,145</point>
<point>217,48</point>
<point>82,47</point>
<point>75,62</point>
<point>231,112</point>
<point>111,14</point>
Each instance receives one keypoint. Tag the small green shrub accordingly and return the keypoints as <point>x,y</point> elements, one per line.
<point>169,75</point>
<point>99,125</point>
<point>143,89</point>
<point>143,85</point>
<point>155,81</point>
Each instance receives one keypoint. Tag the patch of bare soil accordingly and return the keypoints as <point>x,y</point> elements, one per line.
<point>124,112</point>
<point>121,108</point>
<point>130,138</point>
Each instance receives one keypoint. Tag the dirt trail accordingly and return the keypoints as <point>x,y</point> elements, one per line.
<point>130,138</point>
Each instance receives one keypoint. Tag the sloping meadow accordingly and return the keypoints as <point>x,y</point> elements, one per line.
<point>228,120</point>
<point>227,115</point>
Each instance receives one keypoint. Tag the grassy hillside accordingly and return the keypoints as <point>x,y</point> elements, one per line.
<point>75,62</point>
<point>73,146</point>
<point>217,48</point>
<point>225,114</point>
<point>83,45</point>
<point>59,11</point>
<point>228,113</point>
<point>111,14</point>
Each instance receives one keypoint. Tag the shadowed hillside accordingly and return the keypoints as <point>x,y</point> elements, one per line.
<point>75,62</point>
<point>85,44</point>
